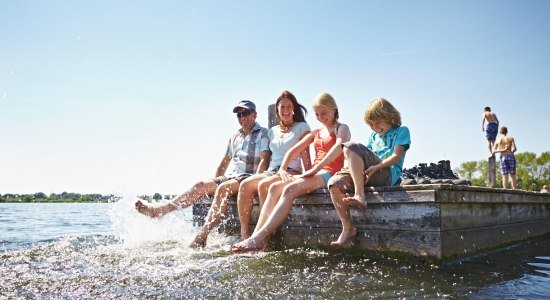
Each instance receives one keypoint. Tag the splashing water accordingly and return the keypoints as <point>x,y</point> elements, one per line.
<point>133,256</point>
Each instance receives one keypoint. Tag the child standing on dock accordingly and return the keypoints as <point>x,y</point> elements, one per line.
<point>379,163</point>
<point>506,146</point>
<point>492,127</point>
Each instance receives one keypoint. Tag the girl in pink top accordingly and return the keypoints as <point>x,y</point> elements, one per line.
<point>327,143</point>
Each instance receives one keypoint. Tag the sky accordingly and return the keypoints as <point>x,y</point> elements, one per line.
<point>137,96</point>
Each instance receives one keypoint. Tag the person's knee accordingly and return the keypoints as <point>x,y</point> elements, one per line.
<point>347,152</point>
<point>246,187</point>
<point>276,187</point>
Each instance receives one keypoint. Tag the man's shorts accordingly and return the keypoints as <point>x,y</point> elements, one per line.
<point>343,179</point>
<point>491,131</point>
<point>239,177</point>
<point>508,164</point>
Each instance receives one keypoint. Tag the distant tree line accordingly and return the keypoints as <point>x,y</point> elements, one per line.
<point>156,197</point>
<point>63,197</point>
<point>532,171</point>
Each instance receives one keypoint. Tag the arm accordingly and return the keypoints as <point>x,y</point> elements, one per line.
<point>304,155</point>
<point>223,166</point>
<point>302,145</point>
<point>386,163</point>
<point>343,136</point>
<point>264,161</point>
<point>483,122</point>
<point>513,146</point>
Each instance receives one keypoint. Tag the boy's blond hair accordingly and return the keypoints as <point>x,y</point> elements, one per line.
<point>381,109</point>
<point>326,100</point>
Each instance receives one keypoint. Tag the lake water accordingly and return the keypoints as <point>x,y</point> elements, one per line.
<point>105,251</point>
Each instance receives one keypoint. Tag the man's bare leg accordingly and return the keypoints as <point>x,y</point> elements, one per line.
<point>186,199</point>
<point>216,212</point>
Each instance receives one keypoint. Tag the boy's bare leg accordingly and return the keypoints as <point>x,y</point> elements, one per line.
<point>216,212</point>
<point>186,199</point>
<point>491,145</point>
<point>504,181</point>
<point>513,181</point>
<point>356,168</point>
<point>342,209</point>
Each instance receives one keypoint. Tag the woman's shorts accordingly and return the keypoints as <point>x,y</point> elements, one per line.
<point>343,179</point>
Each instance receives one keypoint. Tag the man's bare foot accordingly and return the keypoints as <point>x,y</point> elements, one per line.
<point>358,201</point>
<point>250,244</point>
<point>199,241</point>
<point>344,236</point>
<point>147,210</point>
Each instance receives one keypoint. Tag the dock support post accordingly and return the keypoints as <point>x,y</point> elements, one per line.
<point>492,177</point>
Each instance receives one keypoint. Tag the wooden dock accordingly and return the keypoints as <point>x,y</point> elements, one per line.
<point>441,221</point>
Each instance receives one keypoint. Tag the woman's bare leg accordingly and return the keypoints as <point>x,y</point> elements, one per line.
<point>245,202</point>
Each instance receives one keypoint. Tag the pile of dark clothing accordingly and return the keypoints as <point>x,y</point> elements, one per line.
<point>433,173</point>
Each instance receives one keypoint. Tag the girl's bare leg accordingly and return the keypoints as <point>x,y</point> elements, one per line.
<point>279,213</point>
<point>342,209</point>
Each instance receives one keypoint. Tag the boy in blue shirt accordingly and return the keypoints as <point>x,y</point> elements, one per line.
<point>379,163</point>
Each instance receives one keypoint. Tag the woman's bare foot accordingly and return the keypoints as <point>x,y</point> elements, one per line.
<point>147,210</point>
<point>250,244</point>
<point>357,200</point>
<point>344,236</point>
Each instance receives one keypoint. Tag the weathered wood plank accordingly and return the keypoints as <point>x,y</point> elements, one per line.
<point>458,243</point>
<point>439,220</point>
<point>472,215</point>
<point>420,243</point>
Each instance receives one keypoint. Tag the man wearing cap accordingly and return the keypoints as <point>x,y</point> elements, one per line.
<point>248,153</point>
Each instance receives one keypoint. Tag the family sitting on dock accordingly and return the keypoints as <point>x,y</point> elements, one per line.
<point>275,164</point>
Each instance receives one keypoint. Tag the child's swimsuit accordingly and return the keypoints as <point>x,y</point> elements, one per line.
<point>491,131</point>
<point>508,164</point>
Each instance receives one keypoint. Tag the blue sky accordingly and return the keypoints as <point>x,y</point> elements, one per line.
<point>136,96</point>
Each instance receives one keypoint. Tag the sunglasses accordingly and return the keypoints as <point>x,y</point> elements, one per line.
<point>244,113</point>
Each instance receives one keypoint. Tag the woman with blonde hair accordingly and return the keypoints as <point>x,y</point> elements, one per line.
<point>327,143</point>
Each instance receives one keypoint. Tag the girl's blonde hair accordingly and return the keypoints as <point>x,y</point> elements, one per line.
<point>381,109</point>
<point>326,100</point>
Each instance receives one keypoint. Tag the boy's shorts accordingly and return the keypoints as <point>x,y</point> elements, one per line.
<point>239,177</point>
<point>491,131</point>
<point>343,179</point>
<point>508,164</point>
